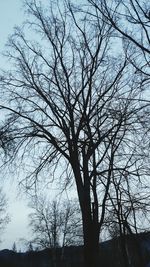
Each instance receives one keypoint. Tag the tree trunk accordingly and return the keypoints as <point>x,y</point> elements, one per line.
<point>90,222</point>
<point>124,256</point>
<point>91,244</point>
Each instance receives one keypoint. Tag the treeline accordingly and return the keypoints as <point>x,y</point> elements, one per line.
<point>110,253</point>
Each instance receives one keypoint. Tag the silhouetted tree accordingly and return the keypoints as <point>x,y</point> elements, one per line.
<point>30,247</point>
<point>123,218</point>
<point>14,248</point>
<point>73,100</point>
<point>55,224</point>
<point>4,217</point>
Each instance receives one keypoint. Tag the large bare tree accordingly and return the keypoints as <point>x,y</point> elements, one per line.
<point>72,107</point>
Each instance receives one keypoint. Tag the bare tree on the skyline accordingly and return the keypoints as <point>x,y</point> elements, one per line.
<point>4,217</point>
<point>72,104</point>
<point>55,224</point>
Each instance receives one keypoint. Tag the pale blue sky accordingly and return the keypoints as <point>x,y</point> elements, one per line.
<point>11,14</point>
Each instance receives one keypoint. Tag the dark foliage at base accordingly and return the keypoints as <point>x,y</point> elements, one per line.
<point>111,254</point>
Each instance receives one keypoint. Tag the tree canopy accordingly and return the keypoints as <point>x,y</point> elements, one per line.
<point>76,106</point>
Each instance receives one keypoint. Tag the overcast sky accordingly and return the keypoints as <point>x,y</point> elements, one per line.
<point>11,14</point>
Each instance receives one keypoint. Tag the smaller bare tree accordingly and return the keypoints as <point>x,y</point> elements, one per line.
<point>4,217</point>
<point>55,224</point>
<point>125,208</point>
<point>14,248</point>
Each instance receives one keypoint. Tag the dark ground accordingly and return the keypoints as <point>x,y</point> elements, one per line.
<point>138,250</point>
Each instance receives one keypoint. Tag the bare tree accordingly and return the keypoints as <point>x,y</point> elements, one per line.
<point>30,247</point>
<point>55,224</point>
<point>71,102</point>
<point>4,217</point>
<point>14,248</point>
<point>126,208</point>
<point>71,224</point>
<point>131,22</point>
<point>45,224</point>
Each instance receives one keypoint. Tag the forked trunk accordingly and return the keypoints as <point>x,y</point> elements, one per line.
<point>89,216</point>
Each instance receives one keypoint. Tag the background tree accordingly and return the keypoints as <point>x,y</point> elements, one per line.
<point>4,217</point>
<point>55,224</point>
<point>14,248</point>
<point>30,247</point>
<point>127,211</point>
<point>74,102</point>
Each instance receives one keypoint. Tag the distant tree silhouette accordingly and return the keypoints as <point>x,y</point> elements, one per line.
<point>30,247</point>
<point>55,224</point>
<point>4,217</point>
<point>14,248</point>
